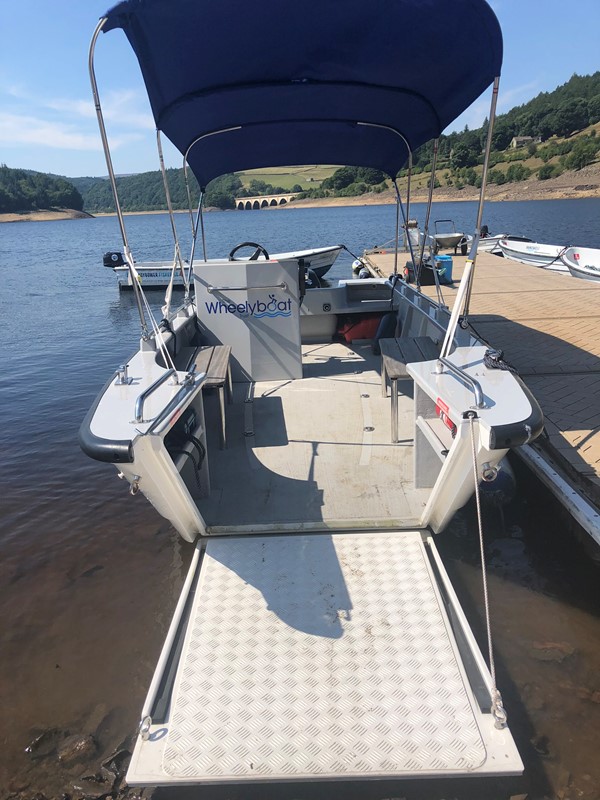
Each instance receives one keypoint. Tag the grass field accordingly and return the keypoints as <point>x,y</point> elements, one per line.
<point>309,177</point>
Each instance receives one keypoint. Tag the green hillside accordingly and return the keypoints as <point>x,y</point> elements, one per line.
<point>562,124</point>
<point>24,190</point>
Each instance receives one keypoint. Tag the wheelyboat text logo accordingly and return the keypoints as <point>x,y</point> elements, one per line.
<point>252,308</point>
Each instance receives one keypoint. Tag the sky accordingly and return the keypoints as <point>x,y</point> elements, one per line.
<point>47,118</point>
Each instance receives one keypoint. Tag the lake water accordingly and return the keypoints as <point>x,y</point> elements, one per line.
<point>90,576</point>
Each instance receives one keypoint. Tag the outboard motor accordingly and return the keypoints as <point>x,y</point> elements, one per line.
<point>113,260</point>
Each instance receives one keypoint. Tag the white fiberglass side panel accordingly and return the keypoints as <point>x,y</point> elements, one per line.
<point>254,307</point>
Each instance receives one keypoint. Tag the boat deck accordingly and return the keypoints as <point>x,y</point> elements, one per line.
<point>547,324</point>
<point>315,453</point>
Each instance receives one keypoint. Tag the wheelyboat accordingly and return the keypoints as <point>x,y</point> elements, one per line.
<point>583,262</point>
<point>158,274</point>
<point>318,637</point>
<point>536,254</point>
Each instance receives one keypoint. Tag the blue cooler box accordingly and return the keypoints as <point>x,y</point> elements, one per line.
<point>444,267</point>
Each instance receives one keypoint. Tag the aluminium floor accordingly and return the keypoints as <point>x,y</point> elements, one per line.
<point>315,453</point>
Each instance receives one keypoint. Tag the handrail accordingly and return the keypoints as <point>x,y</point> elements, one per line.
<point>174,404</point>
<point>139,403</point>
<point>464,376</point>
<point>213,289</point>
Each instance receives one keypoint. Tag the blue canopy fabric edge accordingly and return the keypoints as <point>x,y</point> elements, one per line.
<point>293,81</point>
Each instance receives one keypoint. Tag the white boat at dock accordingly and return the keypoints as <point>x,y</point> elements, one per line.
<point>318,637</point>
<point>583,262</point>
<point>534,253</point>
<point>158,274</point>
<point>490,243</point>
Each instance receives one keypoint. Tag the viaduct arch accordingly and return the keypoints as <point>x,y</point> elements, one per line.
<point>262,201</point>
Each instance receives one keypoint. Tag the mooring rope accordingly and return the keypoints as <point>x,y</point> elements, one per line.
<point>497,707</point>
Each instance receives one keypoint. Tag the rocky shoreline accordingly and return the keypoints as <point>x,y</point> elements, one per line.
<point>573,185</point>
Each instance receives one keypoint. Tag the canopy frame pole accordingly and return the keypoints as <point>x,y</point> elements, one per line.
<point>408,187</point>
<point>137,290</point>
<point>397,238</point>
<point>199,215</point>
<point>464,290</point>
<point>200,221</point>
<point>438,288</point>
<point>178,257</point>
<point>400,206</point>
<point>200,218</point>
<point>398,199</point>
<point>484,177</point>
<point>428,211</point>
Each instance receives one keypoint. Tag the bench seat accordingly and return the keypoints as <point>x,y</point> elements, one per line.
<point>395,355</point>
<point>214,361</point>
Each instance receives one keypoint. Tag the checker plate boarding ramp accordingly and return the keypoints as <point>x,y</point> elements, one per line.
<point>318,636</point>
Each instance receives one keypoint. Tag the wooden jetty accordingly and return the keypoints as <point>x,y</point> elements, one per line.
<point>548,325</point>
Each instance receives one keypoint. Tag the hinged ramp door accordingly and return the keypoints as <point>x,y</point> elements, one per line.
<point>322,657</point>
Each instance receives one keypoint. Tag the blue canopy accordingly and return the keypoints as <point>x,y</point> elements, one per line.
<point>267,83</point>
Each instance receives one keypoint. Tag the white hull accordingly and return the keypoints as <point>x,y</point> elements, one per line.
<point>318,636</point>
<point>583,262</point>
<point>157,274</point>
<point>534,254</point>
<point>491,244</point>
<point>286,531</point>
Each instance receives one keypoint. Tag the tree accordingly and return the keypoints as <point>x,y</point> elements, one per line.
<point>258,187</point>
<point>594,109</point>
<point>548,171</point>
<point>517,172</point>
<point>23,190</point>
<point>547,125</point>
<point>463,156</point>
<point>219,198</point>
<point>496,176</point>
<point>340,179</point>
<point>583,153</point>
<point>572,116</point>
<point>370,175</point>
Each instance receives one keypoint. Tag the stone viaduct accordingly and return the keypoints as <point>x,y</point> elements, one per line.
<point>262,201</point>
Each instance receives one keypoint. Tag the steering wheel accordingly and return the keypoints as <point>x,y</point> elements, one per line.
<point>259,250</point>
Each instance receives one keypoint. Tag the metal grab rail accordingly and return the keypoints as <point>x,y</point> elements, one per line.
<point>139,403</point>
<point>213,289</point>
<point>161,420</point>
<point>466,378</point>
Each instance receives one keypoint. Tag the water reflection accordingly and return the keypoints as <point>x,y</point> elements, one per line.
<point>91,575</point>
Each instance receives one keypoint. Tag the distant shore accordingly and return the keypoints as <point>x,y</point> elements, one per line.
<point>45,216</point>
<point>569,186</point>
